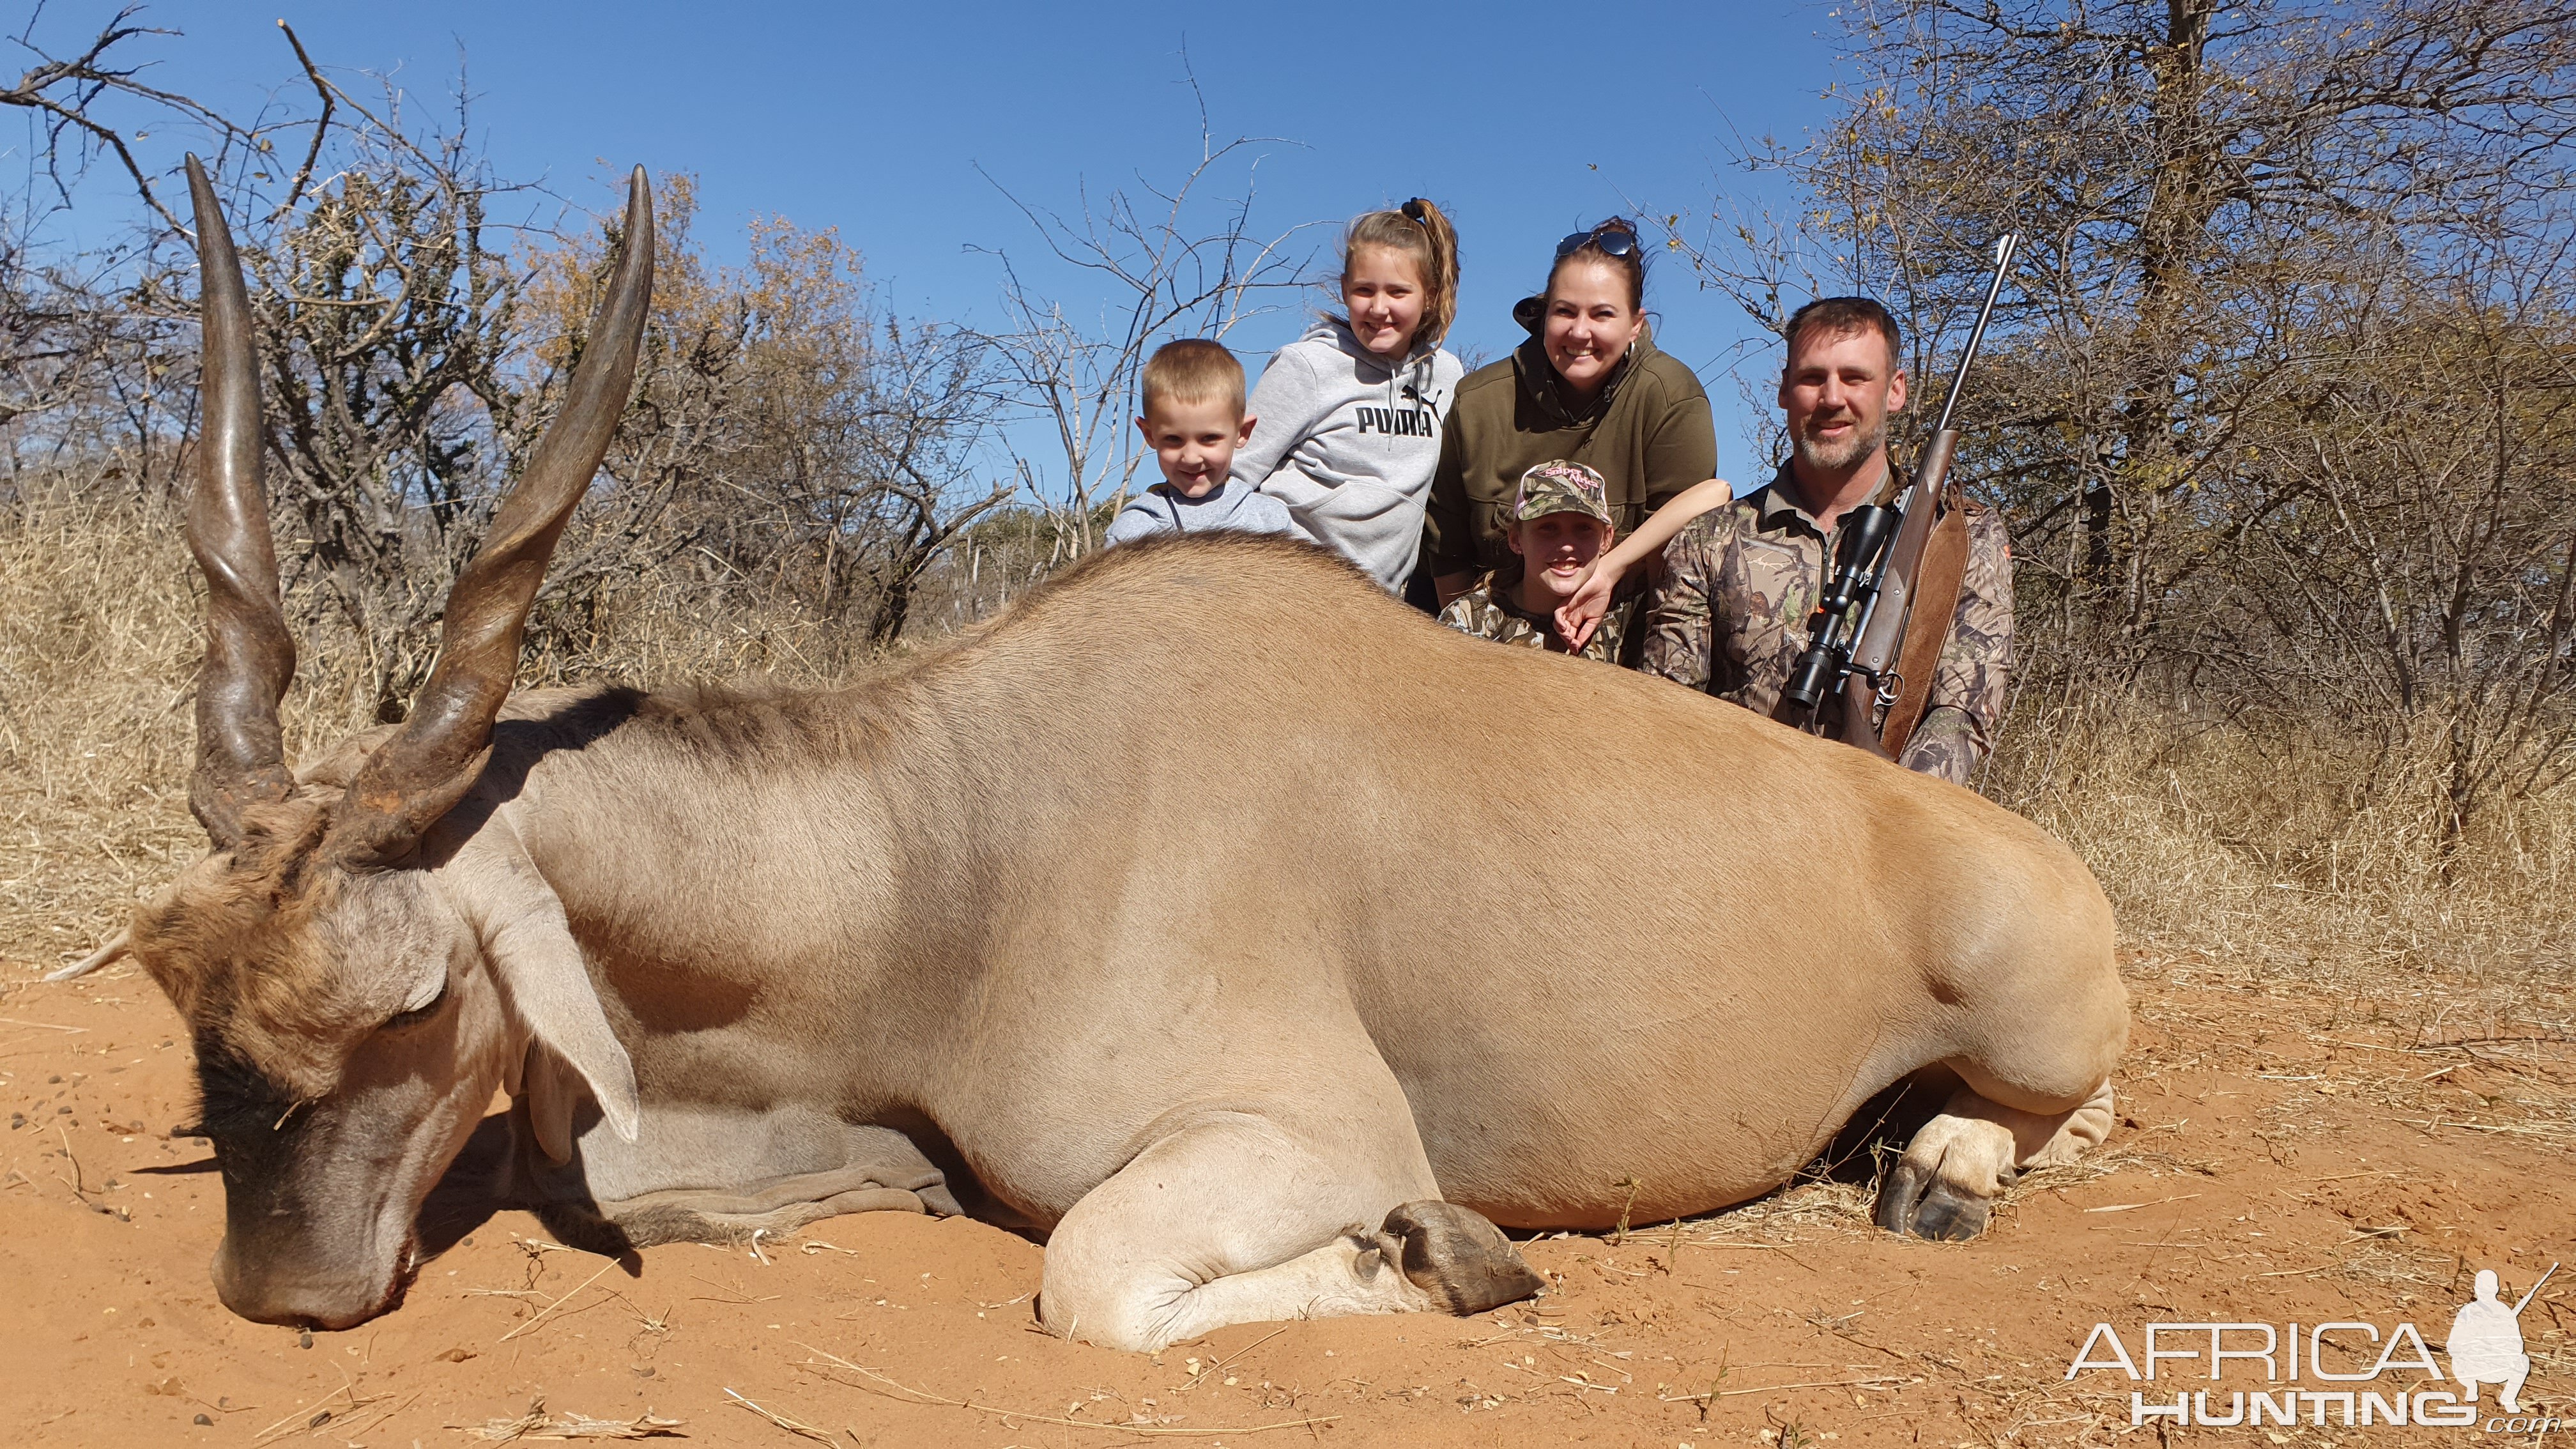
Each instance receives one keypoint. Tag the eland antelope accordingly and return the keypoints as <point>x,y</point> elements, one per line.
<point>1265,960</point>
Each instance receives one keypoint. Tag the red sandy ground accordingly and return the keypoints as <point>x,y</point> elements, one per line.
<point>2287,1156</point>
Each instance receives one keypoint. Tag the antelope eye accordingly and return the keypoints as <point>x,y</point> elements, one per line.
<point>418,1014</point>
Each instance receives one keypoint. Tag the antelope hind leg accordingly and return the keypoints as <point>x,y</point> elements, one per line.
<point>1237,1219</point>
<point>1945,1185</point>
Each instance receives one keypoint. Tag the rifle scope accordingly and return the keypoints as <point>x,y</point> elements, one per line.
<point>1863,537</point>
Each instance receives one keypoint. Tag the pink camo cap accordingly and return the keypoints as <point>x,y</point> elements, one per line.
<point>1561,487</point>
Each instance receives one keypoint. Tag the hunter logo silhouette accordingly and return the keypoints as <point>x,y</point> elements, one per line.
<point>2271,1364</point>
<point>2486,1342</point>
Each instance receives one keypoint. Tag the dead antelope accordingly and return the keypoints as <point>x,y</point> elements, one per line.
<point>1264,957</point>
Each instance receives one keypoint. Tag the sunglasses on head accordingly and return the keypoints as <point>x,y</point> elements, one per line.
<point>1610,241</point>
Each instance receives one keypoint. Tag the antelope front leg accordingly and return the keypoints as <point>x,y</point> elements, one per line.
<point>1235,1218</point>
<point>1962,1160</point>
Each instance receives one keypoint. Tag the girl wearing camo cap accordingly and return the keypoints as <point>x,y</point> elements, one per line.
<point>1558,524</point>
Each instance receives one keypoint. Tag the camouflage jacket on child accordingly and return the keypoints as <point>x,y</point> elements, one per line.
<point>1489,611</point>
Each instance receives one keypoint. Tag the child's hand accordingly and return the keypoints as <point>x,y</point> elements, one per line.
<point>1578,617</point>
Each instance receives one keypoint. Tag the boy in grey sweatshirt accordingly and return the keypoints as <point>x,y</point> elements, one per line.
<point>1164,508</point>
<point>1194,420</point>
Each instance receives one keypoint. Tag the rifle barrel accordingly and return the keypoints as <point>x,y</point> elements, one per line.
<point>2004,247</point>
<point>2535,1290</point>
<point>1891,596</point>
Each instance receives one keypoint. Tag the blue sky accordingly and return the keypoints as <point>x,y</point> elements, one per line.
<point>1523,120</point>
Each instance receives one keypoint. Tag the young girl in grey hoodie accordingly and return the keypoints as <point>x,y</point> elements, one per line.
<point>1350,414</point>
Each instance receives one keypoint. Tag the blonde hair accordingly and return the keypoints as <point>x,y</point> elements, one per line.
<point>1418,230</point>
<point>1193,370</point>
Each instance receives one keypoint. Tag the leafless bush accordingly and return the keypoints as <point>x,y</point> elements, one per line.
<point>842,470</point>
<point>790,443</point>
<point>2421,574</point>
<point>1172,261</point>
<point>384,317</point>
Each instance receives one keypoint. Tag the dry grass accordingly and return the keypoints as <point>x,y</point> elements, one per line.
<point>97,645</point>
<point>100,620</point>
<point>2265,849</point>
<point>2291,857</point>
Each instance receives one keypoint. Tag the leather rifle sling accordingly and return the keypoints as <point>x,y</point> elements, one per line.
<point>1929,624</point>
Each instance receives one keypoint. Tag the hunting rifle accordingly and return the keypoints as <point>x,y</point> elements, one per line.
<point>1858,637</point>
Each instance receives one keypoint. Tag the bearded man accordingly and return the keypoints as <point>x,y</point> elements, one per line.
<point>1737,596</point>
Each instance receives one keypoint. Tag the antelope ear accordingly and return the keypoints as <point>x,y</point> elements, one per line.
<point>553,1088</point>
<point>539,965</point>
<point>541,971</point>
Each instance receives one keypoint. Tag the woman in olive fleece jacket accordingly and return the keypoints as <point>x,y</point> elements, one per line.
<point>1646,428</point>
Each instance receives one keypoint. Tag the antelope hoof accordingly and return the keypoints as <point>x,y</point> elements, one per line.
<point>1945,1185</point>
<point>1943,1214</point>
<point>1457,1257</point>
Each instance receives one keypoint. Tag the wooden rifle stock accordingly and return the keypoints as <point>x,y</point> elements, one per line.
<point>1879,653</point>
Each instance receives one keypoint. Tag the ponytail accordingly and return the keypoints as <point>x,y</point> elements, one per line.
<point>1418,230</point>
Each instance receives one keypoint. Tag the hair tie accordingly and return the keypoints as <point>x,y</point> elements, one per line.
<point>1412,211</point>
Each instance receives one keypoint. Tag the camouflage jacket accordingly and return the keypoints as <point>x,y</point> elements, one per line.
<point>1739,587</point>
<point>1489,611</point>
